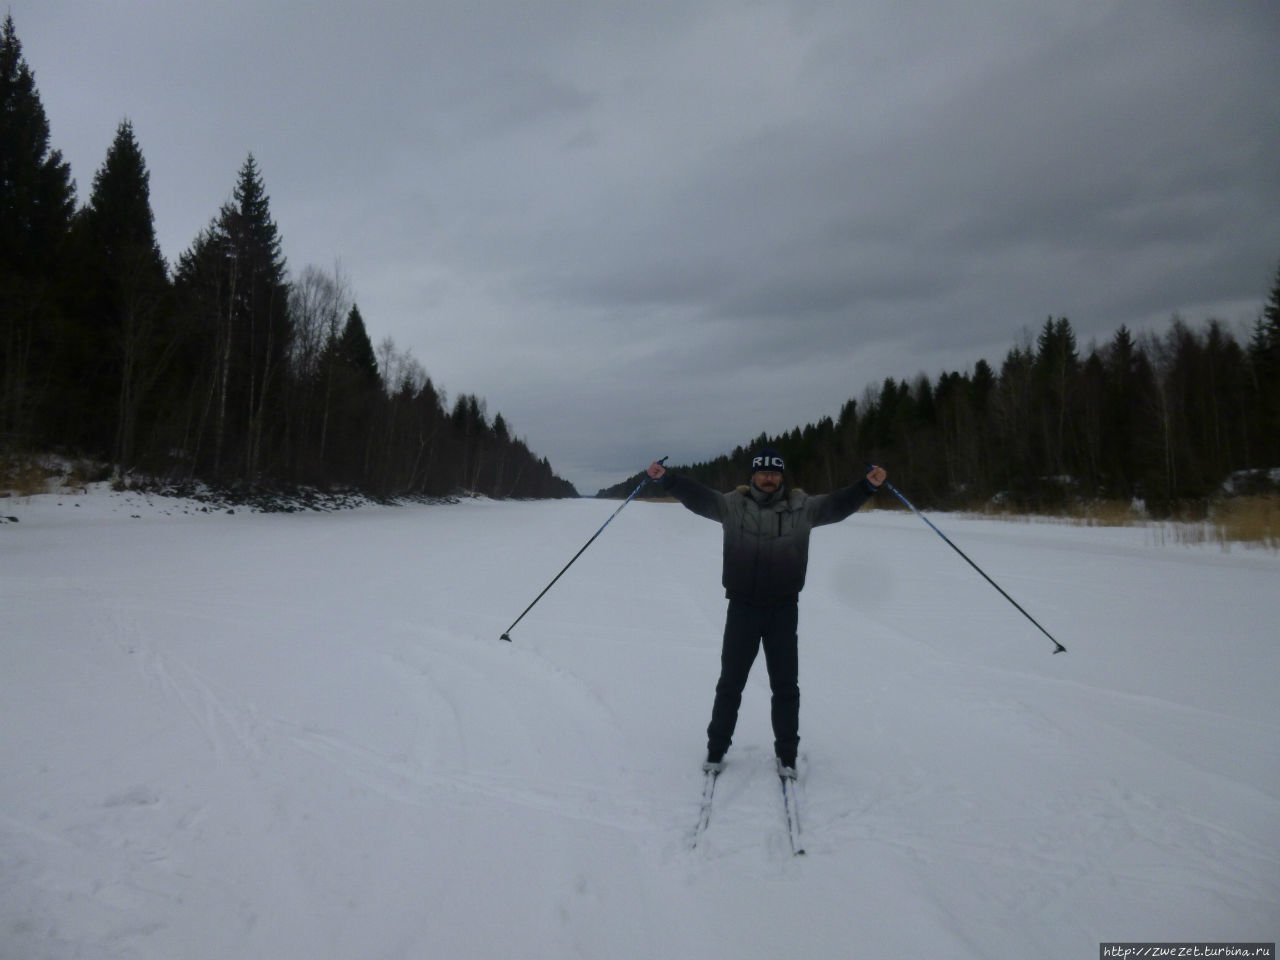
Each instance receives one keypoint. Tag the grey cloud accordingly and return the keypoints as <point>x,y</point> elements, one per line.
<point>619,221</point>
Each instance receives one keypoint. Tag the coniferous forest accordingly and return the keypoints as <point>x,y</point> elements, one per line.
<point>1172,420</point>
<point>228,369</point>
<point>223,368</point>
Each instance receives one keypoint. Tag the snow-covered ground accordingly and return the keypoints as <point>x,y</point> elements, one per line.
<point>279,737</point>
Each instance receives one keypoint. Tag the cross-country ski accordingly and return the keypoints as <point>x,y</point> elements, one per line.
<point>790,805</point>
<point>790,785</point>
<point>710,774</point>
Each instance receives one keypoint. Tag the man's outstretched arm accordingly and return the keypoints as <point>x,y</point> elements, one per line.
<point>701,499</point>
<point>834,507</point>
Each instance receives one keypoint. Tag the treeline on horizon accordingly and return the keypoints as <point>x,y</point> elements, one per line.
<point>222,369</point>
<point>1166,419</point>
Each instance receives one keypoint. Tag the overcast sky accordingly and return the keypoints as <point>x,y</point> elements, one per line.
<point>645,227</point>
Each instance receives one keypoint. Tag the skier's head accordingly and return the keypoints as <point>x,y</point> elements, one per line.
<point>767,469</point>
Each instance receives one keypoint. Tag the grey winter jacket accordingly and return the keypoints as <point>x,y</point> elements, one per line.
<point>766,536</point>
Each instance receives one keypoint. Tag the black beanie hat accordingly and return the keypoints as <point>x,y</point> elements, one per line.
<point>767,459</point>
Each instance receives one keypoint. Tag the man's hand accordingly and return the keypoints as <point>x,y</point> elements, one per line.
<point>656,470</point>
<point>876,476</point>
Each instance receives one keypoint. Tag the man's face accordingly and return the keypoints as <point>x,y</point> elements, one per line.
<point>767,480</point>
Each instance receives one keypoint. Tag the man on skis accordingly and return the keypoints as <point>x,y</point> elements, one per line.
<point>766,552</point>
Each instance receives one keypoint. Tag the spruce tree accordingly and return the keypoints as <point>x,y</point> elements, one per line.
<point>353,395</point>
<point>123,318</point>
<point>119,209</point>
<point>1056,368</point>
<point>1122,403</point>
<point>355,350</point>
<point>37,194</point>
<point>234,296</point>
<point>37,199</point>
<point>1264,357</point>
<point>1013,425</point>
<point>262,309</point>
<point>1271,312</point>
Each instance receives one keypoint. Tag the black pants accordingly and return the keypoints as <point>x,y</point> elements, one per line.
<point>746,629</point>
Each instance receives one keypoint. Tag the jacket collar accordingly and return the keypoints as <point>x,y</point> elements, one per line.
<point>767,499</point>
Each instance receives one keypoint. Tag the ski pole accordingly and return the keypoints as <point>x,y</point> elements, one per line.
<point>506,635</point>
<point>1059,648</point>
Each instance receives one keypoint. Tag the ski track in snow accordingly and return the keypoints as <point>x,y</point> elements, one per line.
<point>300,737</point>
